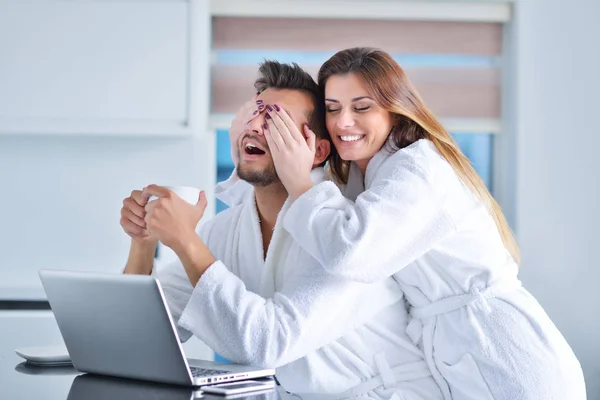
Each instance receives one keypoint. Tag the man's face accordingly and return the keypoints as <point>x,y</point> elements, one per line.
<point>256,164</point>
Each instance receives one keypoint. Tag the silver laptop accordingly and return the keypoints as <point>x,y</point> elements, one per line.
<point>119,325</point>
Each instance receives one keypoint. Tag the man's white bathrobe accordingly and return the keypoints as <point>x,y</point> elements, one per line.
<point>484,336</point>
<point>325,335</point>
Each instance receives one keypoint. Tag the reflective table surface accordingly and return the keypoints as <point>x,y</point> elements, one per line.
<point>21,380</point>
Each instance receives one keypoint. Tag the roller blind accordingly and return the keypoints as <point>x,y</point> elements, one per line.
<point>454,65</point>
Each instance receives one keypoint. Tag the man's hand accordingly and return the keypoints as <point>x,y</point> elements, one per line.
<point>132,218</point>
<point>171,219</point>
<point>245,114</point>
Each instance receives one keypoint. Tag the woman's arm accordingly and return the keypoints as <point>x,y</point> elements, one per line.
<point>311,310</point>
<point>398,219</point>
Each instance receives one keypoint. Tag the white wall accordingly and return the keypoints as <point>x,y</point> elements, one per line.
<point>558,187</point>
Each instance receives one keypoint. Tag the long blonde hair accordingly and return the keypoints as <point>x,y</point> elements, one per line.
<point>391,89</point>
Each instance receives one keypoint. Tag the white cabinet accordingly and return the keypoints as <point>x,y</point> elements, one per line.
<point>121,67</point>
<point>88,69</point>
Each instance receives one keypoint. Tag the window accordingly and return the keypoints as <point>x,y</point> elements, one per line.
<point>478,147</point>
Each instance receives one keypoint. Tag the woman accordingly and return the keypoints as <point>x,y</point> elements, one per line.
<point>408,204</point>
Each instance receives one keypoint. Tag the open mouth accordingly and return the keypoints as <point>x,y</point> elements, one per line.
<point>252,149</point>
<point>350,138</point>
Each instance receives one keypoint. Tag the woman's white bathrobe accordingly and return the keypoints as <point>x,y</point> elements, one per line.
<point>325,335</point>
<point>484,336</point>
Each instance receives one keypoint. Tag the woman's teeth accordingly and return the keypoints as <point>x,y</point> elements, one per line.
<point>351,138</point>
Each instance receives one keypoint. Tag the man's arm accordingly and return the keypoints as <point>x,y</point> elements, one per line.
<point>174,281</point>
<point>173,221</point>
<point>141,258</point>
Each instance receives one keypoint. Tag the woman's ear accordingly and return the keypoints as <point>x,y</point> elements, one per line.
<point>322,150</point>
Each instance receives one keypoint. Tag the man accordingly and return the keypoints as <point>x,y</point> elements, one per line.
<point>249,292</point>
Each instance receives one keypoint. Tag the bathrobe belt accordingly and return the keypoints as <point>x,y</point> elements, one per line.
<point>388,378</point>
<point>476,297</point>
<point>422,324</point>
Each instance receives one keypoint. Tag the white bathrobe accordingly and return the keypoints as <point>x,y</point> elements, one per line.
<point>328,337</point>
<point>484,336</point>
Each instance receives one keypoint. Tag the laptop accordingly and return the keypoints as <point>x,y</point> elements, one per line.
<point>119,325</point>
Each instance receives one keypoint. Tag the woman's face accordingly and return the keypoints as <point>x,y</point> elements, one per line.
<point>358,126</point>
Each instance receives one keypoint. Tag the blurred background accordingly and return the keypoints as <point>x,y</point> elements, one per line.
<point>100,97</point>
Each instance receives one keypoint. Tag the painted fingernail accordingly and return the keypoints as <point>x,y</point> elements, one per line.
<point>255,112</point>
<point>269,108</point>
<point>259,101</point>
<point>276,107</point>
<point>268,116</point>
<point>261,107</point>
<point>265,126</point>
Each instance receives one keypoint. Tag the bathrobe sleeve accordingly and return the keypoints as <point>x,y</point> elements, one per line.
<point>173,279</point>
<point>311,309</point>
<point>177,290</point>
<point>395,221</point>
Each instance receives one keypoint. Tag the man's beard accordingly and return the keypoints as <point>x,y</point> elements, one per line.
<point>264,177</point>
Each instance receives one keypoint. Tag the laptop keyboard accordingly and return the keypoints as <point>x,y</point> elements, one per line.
<point>196,372</point>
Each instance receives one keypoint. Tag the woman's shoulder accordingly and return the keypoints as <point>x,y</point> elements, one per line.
<point>420,157</point>
<point>421,166</point>
<point>423,150</point>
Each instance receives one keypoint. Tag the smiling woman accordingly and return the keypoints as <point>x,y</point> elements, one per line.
<point>358,125</point>
<point>419,213</point>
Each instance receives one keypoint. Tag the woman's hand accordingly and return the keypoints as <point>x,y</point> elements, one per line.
<point>293,152</point>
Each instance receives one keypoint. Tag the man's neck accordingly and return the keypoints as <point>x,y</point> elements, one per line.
<point>269,200</point>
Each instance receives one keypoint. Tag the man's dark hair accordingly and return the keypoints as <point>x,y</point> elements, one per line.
<point>276,75</point>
